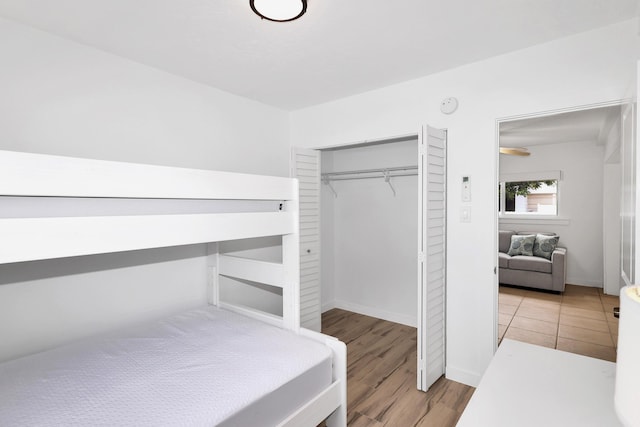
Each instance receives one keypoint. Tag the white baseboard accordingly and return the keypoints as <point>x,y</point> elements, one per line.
<point>326,306</point>
<point>583,282</point>
<point>372,311</point>
<point>465,377</point>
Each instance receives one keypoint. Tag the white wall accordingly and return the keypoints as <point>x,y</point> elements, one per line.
<point>371,265</point>
<point>611,224</point>
<point>588,68</point>
<point>611,209</point>
<point>327,238</point>
<point>580,201</point>
<point>59,97</point>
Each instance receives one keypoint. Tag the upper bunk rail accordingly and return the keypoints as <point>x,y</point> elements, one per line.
<point>27,174</point>
<point>29,239</point>
<point>56,230</point>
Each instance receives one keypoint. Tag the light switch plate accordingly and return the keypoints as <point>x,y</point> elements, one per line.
<point>465,214</point>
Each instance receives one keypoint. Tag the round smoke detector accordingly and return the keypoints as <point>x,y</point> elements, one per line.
<point>449,105</point>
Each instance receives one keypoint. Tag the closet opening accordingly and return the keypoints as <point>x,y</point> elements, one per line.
<point>372,251</point>
<point>369,224</point>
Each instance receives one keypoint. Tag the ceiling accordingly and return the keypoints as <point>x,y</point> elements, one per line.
<point>339,48</point>
<point>589,126</point>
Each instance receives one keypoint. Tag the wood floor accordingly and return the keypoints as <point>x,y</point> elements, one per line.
<point>381,376</point>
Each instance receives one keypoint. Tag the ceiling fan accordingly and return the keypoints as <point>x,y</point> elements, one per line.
<point>514,151</point>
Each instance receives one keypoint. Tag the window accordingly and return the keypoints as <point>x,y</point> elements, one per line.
<point>528,196</point>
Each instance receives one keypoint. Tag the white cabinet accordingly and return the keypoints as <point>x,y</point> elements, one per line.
<point>531,386</point>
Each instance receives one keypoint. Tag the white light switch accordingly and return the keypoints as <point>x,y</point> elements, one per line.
<point>465,214</point>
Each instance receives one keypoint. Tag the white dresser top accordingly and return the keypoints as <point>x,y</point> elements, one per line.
<point>531,386</point>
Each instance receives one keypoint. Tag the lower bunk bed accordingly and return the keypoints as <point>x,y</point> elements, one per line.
<point>205,367</point>
<point>221,364</point>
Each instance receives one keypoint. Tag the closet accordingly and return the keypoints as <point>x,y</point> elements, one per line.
<point>373,236</point>
<point>369,229</point>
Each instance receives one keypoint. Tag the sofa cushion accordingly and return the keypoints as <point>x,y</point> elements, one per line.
<point>545,245</point>
<point>504,240</point>
<point>530,263</point>
<point>522,245</point>
<point>503,260</point>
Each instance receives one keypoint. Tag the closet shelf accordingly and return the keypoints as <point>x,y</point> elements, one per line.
<point>386,173</point>
<point>370,173</point>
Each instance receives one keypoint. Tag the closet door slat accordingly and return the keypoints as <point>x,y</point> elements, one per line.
<point>431,343</point>
<point>305,165</point>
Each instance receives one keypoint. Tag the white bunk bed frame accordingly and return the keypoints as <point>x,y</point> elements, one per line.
<point>29,239</point>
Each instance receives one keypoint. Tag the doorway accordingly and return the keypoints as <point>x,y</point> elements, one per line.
<point>564,170</point>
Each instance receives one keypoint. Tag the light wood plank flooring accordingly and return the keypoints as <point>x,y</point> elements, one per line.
<point>578,321</point>
<point>381,376</point>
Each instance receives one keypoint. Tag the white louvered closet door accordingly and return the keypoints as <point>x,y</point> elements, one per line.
<point>432,173</point>
<point>305,165</point>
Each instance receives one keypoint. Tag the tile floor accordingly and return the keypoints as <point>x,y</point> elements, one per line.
<point>578,321</point>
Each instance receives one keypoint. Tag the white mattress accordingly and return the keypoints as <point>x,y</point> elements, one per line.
<point>203,367</point>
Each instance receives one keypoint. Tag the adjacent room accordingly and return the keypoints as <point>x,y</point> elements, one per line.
<point>560,175</point>
<point>304,199</point>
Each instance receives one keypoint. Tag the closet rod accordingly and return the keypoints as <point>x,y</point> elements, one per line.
<point>370,171</point>
<point>386,173</point>
<point>370,177</point>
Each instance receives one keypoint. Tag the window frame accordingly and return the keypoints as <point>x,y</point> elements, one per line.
<point>527,176</point>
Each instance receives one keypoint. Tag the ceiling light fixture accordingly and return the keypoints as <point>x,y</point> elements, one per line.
<point>279,10</point>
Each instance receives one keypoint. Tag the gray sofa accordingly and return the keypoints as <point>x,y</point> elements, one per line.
<point>531,271</point>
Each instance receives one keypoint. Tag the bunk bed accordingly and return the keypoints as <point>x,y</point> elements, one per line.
<point>222,364</point>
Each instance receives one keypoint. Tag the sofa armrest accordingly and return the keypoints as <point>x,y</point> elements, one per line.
<point>559,268</point>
